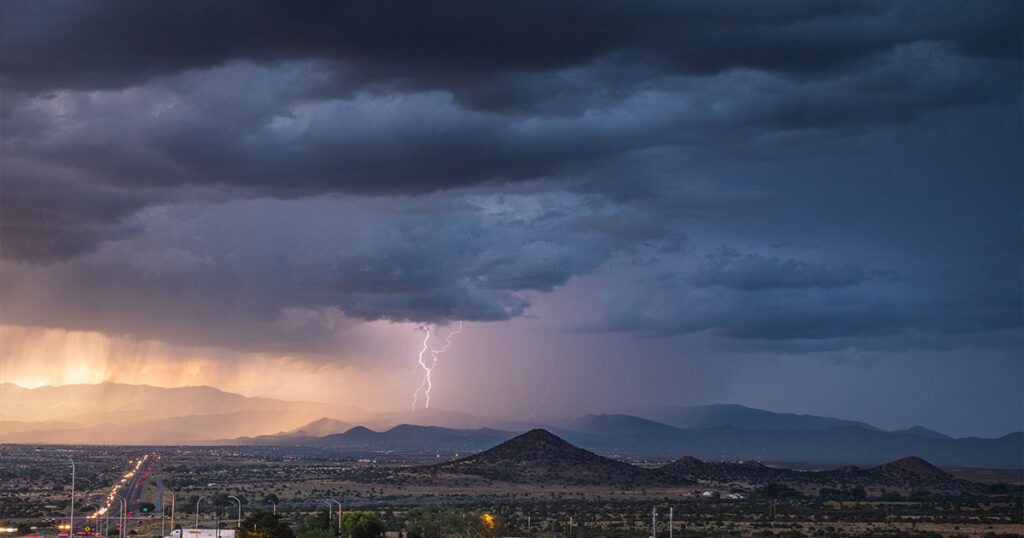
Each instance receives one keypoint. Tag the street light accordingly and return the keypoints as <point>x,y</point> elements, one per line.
<point>122,520</point>
<point>71,524</point>
<point>199,500</point>
<point>339,513</point>
<point>275,505</point>
<point>239,508</point>
<point>163,512</point>
<point>330,508</point>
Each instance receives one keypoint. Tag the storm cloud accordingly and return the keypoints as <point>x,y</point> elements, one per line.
<point>256,175</point>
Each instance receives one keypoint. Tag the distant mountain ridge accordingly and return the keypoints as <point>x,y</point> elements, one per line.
<point>640,438</point>
<point>412,437</point>
<point>95,403</point>
<point>321,427</point>
<point>747,418</point>
<point>147,415</point>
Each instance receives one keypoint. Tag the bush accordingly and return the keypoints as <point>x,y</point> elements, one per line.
<point>361,525</point>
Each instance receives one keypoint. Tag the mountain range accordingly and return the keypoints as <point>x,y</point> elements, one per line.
<point>135,414</point>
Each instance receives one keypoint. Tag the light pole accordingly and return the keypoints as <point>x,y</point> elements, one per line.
<point>330,508</point>
<point>275,505</point>
<point>239,509</point>
<point>163,512</point>
<point>199,500</point>
<point>339,513</point>
<point>122,519</point>
<point>71,523</point>
<point>172,511</point>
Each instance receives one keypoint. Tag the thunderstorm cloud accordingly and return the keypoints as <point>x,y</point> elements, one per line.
<point>260,175</point>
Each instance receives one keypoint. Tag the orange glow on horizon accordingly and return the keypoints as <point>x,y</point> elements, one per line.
<point>35,357</point>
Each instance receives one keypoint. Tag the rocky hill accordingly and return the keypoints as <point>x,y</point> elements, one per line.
<point>907,474</point>
<point>747,472</point>
<point>539,456</point>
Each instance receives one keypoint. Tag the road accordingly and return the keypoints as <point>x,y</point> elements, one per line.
<point>131,487</point>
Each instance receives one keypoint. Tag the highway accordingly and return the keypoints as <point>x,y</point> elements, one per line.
<point>130,487</point>
<point>133,488</point>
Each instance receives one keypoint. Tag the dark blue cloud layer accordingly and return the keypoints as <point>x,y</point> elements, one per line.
<point>474,156</point>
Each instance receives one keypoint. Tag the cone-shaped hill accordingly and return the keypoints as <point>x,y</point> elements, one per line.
<point>538,456</point>
<point>913,472</point>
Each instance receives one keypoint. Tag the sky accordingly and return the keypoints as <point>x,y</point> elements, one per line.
<point>810,207</point>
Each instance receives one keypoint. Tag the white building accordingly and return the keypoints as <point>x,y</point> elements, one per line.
<point>202,533</point>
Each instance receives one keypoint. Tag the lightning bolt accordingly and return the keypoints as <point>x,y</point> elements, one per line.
<point>435,354</point>
<point>425,384</point>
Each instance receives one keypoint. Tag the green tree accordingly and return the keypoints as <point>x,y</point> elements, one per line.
<point>361,525</point>
<point>316,525</point>
<point>431,522</point>
<point>264,524</point>
<point>314,533</point>
<point>776,491</point>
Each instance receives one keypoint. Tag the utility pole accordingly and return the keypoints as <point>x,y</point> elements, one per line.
<point>330,508</point>
<point>71,524</point>
<point>239,509</point>
<point>199,500</point>
<point>339,514</point>
<point>172,511</point>
<point>123,517</point>
<point>654,522</point>
<point>163,513</point>
<point>671,521</point>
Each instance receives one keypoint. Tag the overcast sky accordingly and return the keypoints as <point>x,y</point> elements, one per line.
<point>812,207</point>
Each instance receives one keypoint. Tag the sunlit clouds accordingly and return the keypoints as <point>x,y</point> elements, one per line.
<point>32,357</point>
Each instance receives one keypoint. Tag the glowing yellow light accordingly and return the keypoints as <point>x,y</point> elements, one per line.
<point>488,520</point>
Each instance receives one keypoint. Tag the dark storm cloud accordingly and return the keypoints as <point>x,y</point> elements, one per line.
<point>273,274</point>
<point>376,98</point>
<point>107,44</point>
<point>250,127</point>
<point>256,170</point>
<point>751,272</point>
<point>888,316</point>
<point>49,216</point>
